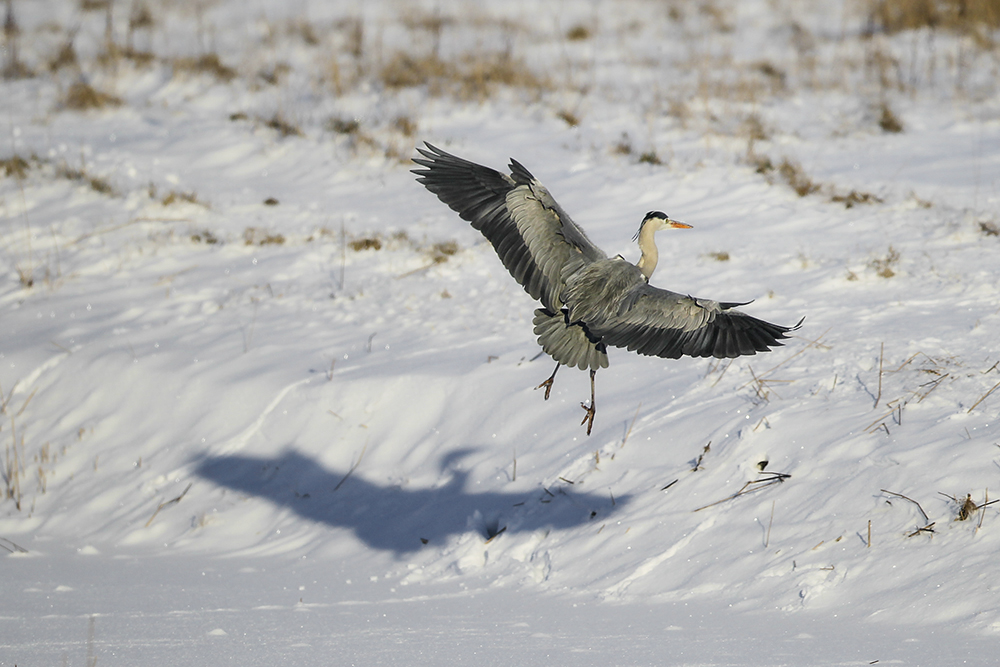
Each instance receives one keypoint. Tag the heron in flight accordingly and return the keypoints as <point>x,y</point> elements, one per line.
<point>589,300</point>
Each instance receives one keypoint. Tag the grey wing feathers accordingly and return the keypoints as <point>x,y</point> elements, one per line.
<point>661,323</point>
<point>535,239</point>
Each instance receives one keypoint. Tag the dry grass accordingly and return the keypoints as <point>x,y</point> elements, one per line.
<point>404,70</point>
<point>440,252</point>
<point>208,64</point>
<point>175,197</point>
<point>568,117</point>
<point>650,157</point>
<point>96,183</point>
<point>987,228</point>
<point>340,125</point>
<point>304,30</point>
<point>13,68</point>
<point>140,18</point>
<point>139,58</point>
<point>405,125</point>
<point>790,172</point>
<point>888,121</point>
<point>261,237</point>
<point>432,23</point>
<point>366,243</point>
<point>967,509</point>
<point>960,15</point>
<point>204,237</point>
<point>853,198</point>
<point>624,145</point>
<point>754,129</point>
<point>773,73</point>
<point>796,178</point>
<point>81,96</point>
<point>473,76</point>
<point>13,466</point>
<point>65,57</point>
<point>275,74</point>
<point>284,127</point>
<point>15,166</point>
<point>883,266</point>
<point>578,33</point>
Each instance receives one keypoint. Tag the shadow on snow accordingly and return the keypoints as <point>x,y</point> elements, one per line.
<point>396,518</point>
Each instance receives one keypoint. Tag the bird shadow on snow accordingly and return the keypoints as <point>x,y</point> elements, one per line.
<point>399,519</point>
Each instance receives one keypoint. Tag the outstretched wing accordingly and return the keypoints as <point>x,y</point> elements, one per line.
<point>660,323</point>
<point>535,239</point>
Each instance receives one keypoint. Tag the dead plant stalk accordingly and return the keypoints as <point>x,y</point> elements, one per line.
<point>354,466</point>
<point>983,397</point>
<point>172,501</point>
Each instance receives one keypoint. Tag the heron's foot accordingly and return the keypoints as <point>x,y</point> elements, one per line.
<point>589,417</point>
<point>548,386</point>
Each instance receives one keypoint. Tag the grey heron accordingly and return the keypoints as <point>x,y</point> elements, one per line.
<point>589,301</point>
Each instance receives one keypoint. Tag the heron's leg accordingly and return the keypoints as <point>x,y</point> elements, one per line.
<point>548,383</point>
<point>589,418</point>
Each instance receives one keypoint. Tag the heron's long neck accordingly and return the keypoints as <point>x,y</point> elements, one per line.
<point>650,255</point>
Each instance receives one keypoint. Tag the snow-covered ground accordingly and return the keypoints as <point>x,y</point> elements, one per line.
<point>266,399</point>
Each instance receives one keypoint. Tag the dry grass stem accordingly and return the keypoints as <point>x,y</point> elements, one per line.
<point>881,358</point>
<point>11,546</point>
<point>812,343</point>
<point>629,431</point>
<point>983,397</point>
<point>354,466</point>
<point>967,509</point>
<point>697,463</point>
<point>900,495</point>
<point>715,365</point>
<point>494,534</point>
<point>771,479</point>
<point>767,540</point>
<point>167,503</point>
<point>929,528</point>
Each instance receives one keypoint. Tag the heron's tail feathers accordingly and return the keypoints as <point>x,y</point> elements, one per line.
<point>569,344</point>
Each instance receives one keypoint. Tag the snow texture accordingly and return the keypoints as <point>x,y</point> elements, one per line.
<point>265,399</point>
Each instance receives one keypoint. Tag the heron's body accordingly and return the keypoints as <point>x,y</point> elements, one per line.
<point>589,301</point>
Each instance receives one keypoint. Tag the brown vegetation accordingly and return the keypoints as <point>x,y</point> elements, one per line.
<point>81,96</point>
<point>472,76</point>
<point>963,15</point>
<point>15,166</point>
<point>209,64</point>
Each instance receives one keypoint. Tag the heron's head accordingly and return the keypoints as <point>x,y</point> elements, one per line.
<point>657,220</point>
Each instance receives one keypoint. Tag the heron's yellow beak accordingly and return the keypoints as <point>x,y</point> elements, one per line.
<point>680,225</point>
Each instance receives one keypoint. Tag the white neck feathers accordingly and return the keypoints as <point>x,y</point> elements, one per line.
<point>647,246</point>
